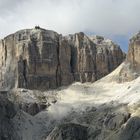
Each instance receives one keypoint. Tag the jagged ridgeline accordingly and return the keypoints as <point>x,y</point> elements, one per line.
<point>42,59</point>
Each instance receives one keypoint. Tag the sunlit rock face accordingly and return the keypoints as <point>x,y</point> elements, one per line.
<point>30,59</point>
<point>132,69</point>
<point>133,55</point>
<point>94,57</point>
<point>43,59</point>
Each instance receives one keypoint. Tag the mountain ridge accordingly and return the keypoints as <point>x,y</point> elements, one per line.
<point>106,109</point>
<point>43,59</point>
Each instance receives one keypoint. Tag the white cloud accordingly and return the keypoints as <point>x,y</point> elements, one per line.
<point>107,17</point>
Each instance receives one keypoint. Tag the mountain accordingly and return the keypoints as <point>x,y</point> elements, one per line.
<point>43,59</point>
<point>86,109</point>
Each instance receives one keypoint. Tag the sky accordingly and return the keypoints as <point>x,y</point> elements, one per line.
<point>114,19</point>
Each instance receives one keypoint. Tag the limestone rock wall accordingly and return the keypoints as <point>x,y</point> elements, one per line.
<point>93,58</point>
<point>132,64</point>
<point>43,59</point>
<point>133,55</point>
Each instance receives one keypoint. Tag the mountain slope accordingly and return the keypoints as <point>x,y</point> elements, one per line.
<point>107,109</point>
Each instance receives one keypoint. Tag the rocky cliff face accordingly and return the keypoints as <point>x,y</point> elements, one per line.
<point>133,55</point>
<point>95,57</point>
<point>30,59</point>
<point>43,59</point>
<point>132,63</point>
<point>69,131</point>
<point>8,111</point>
<point>94,124</point>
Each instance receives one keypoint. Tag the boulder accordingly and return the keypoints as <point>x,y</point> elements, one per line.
<point>32,108</point>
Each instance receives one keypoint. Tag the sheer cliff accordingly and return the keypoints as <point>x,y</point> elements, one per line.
<point>43,59</point>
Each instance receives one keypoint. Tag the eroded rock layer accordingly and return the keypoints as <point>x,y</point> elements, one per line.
<point>43,59</point>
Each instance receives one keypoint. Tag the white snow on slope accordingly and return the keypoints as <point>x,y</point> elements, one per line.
<point>78,96</point>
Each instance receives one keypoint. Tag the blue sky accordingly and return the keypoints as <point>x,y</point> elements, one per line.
<point>114,19</point>
<point>123,41</point>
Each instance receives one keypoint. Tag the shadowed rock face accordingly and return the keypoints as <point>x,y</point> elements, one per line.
<point>133,55</point>
<point>69,132</point>
<point>131,131</point>
<point>43,59</point>
<point>95,124</point>
<point>32,108</point>
<point>7,112</point>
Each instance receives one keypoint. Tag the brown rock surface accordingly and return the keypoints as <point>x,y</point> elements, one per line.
<point>43,59</point>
